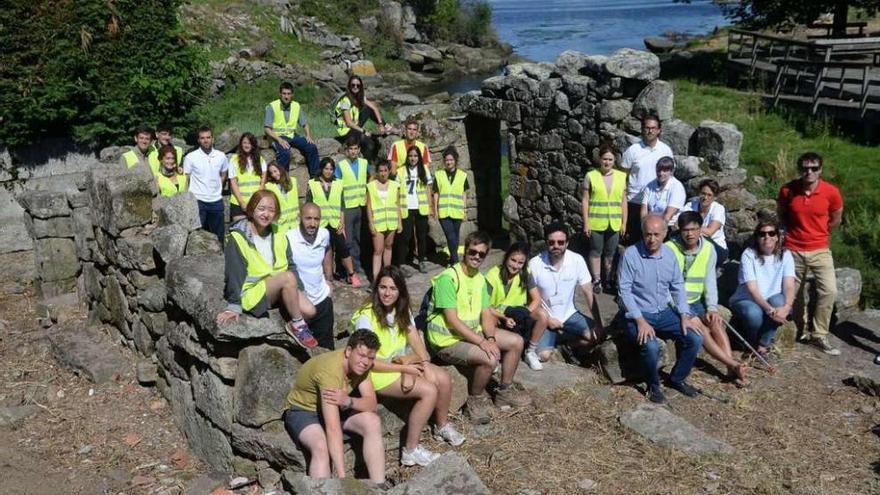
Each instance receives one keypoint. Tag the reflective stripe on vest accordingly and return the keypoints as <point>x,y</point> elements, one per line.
<point>355,112</point>
<point>694,275</point>
<point>354,187</point>
<point>168,188</point>
<point>451,202</point>
<point>605,208</point>
<point>392,344</point>
<point>500,298</point>
<point>421,193</point>
<point>330,206</point>
<point>400,149</point>
<point>469,302</point>
<point>254,287</point>
<point>281,127</point>
<point>384,212</point>
<point>248,182</point>
<point>288,217</point>
<point>153,159</point>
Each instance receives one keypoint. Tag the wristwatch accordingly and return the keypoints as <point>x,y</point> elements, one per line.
<point>491,337</point>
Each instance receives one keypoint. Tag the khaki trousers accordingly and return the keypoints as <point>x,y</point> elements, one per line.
<point>821,264</point>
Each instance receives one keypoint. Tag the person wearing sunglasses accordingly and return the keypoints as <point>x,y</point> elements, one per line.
<point>765,294</point>
<point>352,111</point>
<point>462,331</point>
<point>558,272</point>
<point>810,208</point>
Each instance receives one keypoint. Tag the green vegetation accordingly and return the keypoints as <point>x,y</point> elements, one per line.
<point>461,21</point>
<point>93,69</point>
<point>242,107</point>
<point>773,141</point>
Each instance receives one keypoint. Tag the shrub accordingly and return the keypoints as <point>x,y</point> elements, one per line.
<point>461,21</point>
<point>93,69</point>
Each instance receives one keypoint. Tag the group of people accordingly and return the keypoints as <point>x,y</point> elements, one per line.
<point>281,253</point>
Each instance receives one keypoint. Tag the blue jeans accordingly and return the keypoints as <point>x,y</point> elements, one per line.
<point>309,151</point>
<point>576,326</point>
<point>758,327</point>
<point>451,228</point>
<point>667,325</point>
<point>211,217</point>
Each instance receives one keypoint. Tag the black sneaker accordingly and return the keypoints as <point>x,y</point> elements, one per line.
<point>686,389</point>
<point>655,395</point>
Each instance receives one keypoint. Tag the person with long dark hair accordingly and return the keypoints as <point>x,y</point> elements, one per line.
<point>247,174</point>
<point>416,203</point>
<point>352,111</point>
<point>516,300</point>
<point>450,185</point>
<point>286,190</point>
<point>401,375</point>
<point>765,295</point>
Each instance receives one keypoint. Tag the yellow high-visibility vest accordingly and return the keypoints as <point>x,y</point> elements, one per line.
<point>288,217</point>
<point>258,270</point>
<point>384,212</point>
<point>695,275</point>
<point>355,112</point>
<point>392,344</point>
<point>354,187</point>
<point>280,126</point>
<point>469,306</point>
<point>421,193</point>
<point>451,202</point>
<point>501,298</point>
<point>168,188</point>
<point>605,208</point>
<point>331,205</point>
<point>248,182</point>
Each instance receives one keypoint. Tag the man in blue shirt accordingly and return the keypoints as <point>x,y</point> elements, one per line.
<point>648,278</point>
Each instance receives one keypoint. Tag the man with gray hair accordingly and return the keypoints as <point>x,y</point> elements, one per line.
<point>648,278</point>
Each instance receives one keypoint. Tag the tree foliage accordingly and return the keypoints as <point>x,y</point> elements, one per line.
<point>461,21</point>
<point>93,69</point>
<point>767,13</point>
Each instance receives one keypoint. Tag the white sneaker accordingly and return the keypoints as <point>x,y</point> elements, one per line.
<point>418,455</point>
<point>533,360</point>
<point>449,434</point>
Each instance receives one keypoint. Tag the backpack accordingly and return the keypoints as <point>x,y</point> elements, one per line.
<point>426,309</point>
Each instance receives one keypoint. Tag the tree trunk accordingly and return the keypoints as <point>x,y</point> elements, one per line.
<point>841,15</point>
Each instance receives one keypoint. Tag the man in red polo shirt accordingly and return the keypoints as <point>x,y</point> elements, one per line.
<point>809,208</point>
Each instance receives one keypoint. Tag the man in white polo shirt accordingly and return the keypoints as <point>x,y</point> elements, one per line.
<point>557,273</point>
<point>310,248</point>
<point>205,169</point>
<point>640,160</point>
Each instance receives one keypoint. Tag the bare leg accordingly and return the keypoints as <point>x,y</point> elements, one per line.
<point>424,394</point>
<point>483,368</point>
<point>511,346</point>
<point>349,265</point>
<point>313,439</point>
<point>369,427</point>
<point>282,286</point>
<point>595,271</point>
<point>714,349</point>
<point>389,248</point>
<point>541,318</point>
<point>442,381</point>
<point>607,262</point>
<point>378,251</point>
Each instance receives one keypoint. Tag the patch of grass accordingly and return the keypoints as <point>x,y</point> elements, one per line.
<point>773,139</point>
<point>243,106</point>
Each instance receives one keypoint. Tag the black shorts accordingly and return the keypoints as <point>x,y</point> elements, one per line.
<point>337,241</point>
<point>524,321</point>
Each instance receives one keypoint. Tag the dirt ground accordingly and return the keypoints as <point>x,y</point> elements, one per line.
<point>799,431</point>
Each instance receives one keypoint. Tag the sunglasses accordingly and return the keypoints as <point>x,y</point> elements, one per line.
<point>477,253</point>
<point>767,233</point>
<point>810,169</point>
<point>354,85</point>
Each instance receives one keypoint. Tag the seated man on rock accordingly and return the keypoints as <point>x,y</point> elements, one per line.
<point>462,330</point>
<point>332,394</point>
<point>648,277</point>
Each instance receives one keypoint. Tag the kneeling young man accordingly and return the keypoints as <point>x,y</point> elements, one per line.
<point>462,330</point>
<point>332,394</point>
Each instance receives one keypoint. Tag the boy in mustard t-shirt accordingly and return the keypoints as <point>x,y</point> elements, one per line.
<point>331,394</point>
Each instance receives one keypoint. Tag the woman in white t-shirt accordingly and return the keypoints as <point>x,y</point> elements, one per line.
<point>403,370</point>
<point>766,290</point>
<point>664,195</point>
<point>714,217</point>
<point>416,203</point>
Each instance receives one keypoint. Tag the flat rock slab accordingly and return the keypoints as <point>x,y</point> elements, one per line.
<point>659,425</point>
<point>449,474</point>
<point>88,351</point>
<point>554,376</point>
<point>12,416</point>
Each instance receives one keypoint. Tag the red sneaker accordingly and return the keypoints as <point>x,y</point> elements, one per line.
<point>301,334</point>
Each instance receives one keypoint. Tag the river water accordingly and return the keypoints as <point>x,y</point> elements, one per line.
<point>541,29</point>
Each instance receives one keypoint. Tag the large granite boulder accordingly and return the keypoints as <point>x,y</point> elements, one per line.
<point>169,241</point>
<point>195,285</point>
<point>677,134</point>
<point>180,209</point>
<point>263,380</point>
<point>849,288</point>
<point>633,64</point>
<point>657,98</point>
<point>122,199</point>
<point>661,426</point>
<point>719,143</point>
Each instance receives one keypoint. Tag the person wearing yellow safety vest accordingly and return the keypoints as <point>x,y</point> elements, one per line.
<point>462,331</point>
<point>247,174</point>
<point>516,301</point>
<point>397,153</point>
<point>403,370</point>
<point>326,192</point>
<point>286,190</point>
<point>383,215</point>
<point>696,259</point>
<point>450,185</point>
<point>416,203</point>
<point>352,172</point>
<point>351,113</point>
<point>164,135</point>
<point>169,178</point>
<point>604,210</point>
<point>260,272</point>
<point>282,119</point>
<point>137,155</point>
